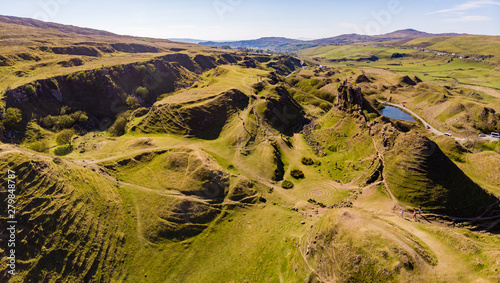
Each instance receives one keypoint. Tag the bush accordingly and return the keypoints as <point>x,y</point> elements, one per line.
<point>142,92</point>
<point>286,185</point>
<point>297,174</point>
<point>80,116</point>
<point>307,161</point>
<point>118,127</point>
<point>13,117</point>
<point>65,122</point>
<point>132,103</point>
<point>63,150</point>
<point>64,137</point>
<point>47,122</point>
<point>39,146</point>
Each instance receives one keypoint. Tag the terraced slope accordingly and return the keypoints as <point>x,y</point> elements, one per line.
<point>74,224</point>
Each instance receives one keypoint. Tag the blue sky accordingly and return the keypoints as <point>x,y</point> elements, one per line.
<point>248,19</point>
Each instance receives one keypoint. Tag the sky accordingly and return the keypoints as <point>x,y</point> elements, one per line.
<point>250,19</point>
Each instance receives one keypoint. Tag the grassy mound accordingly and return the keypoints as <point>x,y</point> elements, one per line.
<point>349,246</point>
<point>419,173</point>
<point>166,217</point>
<point>204,118</point>
<point>189,171</point>
<point>242,189</point>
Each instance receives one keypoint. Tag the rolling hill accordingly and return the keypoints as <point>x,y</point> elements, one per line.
<point>146,160</point>
<point>282,44</point>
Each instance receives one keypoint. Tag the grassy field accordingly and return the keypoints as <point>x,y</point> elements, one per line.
<point>427,65</point>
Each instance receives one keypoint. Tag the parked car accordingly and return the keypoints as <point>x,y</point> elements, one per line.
<point>428,127</point>
<point>447,134</point>
<point>495,135</point>
<point>482,135</point>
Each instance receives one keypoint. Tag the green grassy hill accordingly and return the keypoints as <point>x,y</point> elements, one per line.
<point>204,165</point>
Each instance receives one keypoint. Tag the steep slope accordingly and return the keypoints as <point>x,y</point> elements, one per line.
<point>72,222</point>
<point>418,173</point>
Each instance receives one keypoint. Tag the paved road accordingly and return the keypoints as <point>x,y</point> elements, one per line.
<point>431,128</point>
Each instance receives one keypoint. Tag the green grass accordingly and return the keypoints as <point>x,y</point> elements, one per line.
<point>428,66</point>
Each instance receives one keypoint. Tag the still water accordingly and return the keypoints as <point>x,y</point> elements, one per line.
<point>396,113</point>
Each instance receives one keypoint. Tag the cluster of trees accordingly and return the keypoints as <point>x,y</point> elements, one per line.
<point>64,121</point>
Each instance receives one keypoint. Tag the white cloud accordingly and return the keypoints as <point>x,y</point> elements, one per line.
<point>466,19</point>
<point>468,6</point>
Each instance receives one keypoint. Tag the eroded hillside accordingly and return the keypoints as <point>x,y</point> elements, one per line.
<point>227,167</point>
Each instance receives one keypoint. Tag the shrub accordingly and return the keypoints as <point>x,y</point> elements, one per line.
<point>64,137</point>
<point>118,127</point>
<point>80,116</point>
<point>47,122</point>
<point>142,92</point>
<point>39,146</point>
<point>65,121</point>
<point>286,185</point>
<point>63,150</point>
<point>307,161</point>
<point>297,174</point>
<point>13,117</point>
<point>132,103</point>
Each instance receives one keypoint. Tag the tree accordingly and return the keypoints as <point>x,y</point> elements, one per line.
<point>13,117</point>
<point>132,103</point>
<point>65,137</point>
<point>65,121</point>
<point>118,127</point>
<point>142,92</point>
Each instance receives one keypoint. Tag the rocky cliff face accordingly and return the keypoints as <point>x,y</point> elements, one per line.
<point>102,93</point>
<point>349,97</point>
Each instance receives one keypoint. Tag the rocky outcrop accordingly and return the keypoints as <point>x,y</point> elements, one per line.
<point>349,97</point>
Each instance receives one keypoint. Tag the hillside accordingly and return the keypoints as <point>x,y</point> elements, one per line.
<point>196,164</point>
<point>281,44</point>
<point>32,50</point>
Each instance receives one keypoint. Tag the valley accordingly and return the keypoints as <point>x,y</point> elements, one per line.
<point>148,160</point>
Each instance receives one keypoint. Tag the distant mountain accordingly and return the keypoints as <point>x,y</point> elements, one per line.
<point>283,44</point>
<point>186,40</point>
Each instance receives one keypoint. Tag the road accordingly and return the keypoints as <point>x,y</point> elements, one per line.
<point>431,128</point>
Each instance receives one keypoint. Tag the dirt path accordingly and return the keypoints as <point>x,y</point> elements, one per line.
<point>322,279</point>
<point>448,261</point>
<point>449,265</point>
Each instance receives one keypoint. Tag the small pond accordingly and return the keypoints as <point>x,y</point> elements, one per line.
<point>396,113</point>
